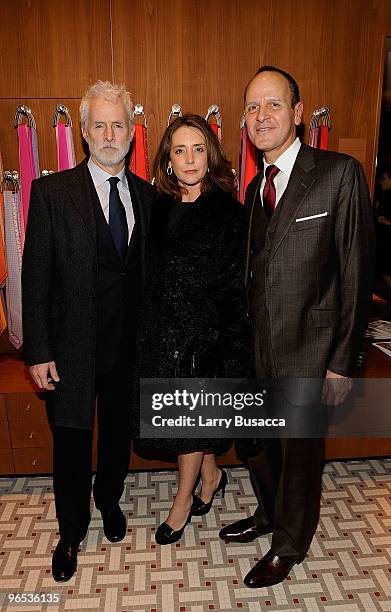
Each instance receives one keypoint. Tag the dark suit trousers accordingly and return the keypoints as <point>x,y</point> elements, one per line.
<point>72,456</point>
<point>286,476</point>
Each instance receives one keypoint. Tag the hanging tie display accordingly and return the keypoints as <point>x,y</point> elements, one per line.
<point>247,160</point>
<point>64,138</point>
<point>320,125</point>
<point>3,261</point>
<point>214,111</point>
<point>139,157</point>
<point>175,112</point>
<point>13,249</point>
<point>28,159</point>
<point>3,316</point>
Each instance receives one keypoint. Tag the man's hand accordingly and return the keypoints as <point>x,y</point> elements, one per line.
<point>43,374</point>
<point>383,220</point>
<point>336,388</point>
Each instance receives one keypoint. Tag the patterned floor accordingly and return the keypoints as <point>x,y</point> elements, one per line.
<point>348,567</point>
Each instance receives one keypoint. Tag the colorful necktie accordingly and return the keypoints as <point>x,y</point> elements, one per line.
<point>269,191</point>
<point>13,244</point>
<point>117,219</point>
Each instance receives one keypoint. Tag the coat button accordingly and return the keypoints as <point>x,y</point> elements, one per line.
<point>91,320</point>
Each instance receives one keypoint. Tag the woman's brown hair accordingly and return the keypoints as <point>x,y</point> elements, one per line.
<point>219,175</point>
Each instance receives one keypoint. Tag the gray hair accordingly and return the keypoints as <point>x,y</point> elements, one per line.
<point>108,91</point>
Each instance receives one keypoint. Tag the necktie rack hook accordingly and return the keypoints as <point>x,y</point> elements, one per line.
<point>175,112</point>
<point>214,111</point>
<point>61,109</point>
<point>319,115</point>
<point>139,112</point>
<point>11,177</point>
<point>22,112</point>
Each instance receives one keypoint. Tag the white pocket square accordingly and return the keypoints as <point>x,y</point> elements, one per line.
<point>312,217</point>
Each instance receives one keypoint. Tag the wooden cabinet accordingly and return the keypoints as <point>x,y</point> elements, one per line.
<point>33,460</point>
<point>30,433</point>
<point>25,434</point>
<point>6,459</point>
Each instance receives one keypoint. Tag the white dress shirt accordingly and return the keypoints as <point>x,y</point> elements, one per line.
<point>285,164</point>
<point>100,179</point>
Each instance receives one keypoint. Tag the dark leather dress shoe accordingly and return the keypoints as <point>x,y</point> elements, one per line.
<point>270,570</point>
<point>64,560</point>
<point>243,531</point>
<point>114,524</point>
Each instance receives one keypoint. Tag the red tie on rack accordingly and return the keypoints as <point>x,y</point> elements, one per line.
<point>269,191</point>
<point>247,162</point>
<point>214,111</point>
<point>324,137</point>
<point>216,130</point>
<point>139,158</point>
<point>320,125</point>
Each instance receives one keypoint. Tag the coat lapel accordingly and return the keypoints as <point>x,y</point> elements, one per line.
<point>302,178</point>
<point>140,218</point>
<point>81,194</point>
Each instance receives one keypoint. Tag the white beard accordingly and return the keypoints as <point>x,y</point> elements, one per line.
<point>110,155</point>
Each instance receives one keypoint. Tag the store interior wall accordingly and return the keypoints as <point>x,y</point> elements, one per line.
<point>195,54</point>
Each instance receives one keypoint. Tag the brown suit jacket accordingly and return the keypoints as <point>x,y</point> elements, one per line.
<point>310,281</point>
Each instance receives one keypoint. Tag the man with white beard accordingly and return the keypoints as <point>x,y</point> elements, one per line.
<point>83,273</point>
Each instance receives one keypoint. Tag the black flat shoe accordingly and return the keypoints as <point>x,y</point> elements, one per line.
<point>199,507</point>
<point>166,535</point>
<point>114,524</point>
<point>64,560</point>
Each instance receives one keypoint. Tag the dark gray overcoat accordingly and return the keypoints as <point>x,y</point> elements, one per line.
<point>59,279</point>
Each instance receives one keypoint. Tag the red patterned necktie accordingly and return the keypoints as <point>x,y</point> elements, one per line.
<point>269,191</point>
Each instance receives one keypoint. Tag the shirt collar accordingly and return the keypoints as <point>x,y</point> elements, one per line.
<point>99,176</point>
<point>287,159</point>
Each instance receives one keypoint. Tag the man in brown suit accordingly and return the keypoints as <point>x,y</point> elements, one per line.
<point>310,259</point>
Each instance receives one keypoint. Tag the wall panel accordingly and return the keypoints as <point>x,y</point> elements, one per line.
<point>199,53</point>
<point>148,56</point>
<point>51,49</point>
<point>196,54</point>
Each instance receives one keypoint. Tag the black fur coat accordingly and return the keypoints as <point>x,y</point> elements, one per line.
<point>195,295</point>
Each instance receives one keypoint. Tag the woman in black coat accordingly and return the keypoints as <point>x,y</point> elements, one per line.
<point>195,320</point>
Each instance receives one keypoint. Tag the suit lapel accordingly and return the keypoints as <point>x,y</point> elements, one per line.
<point>253,201</point>
<point>301,179</point>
